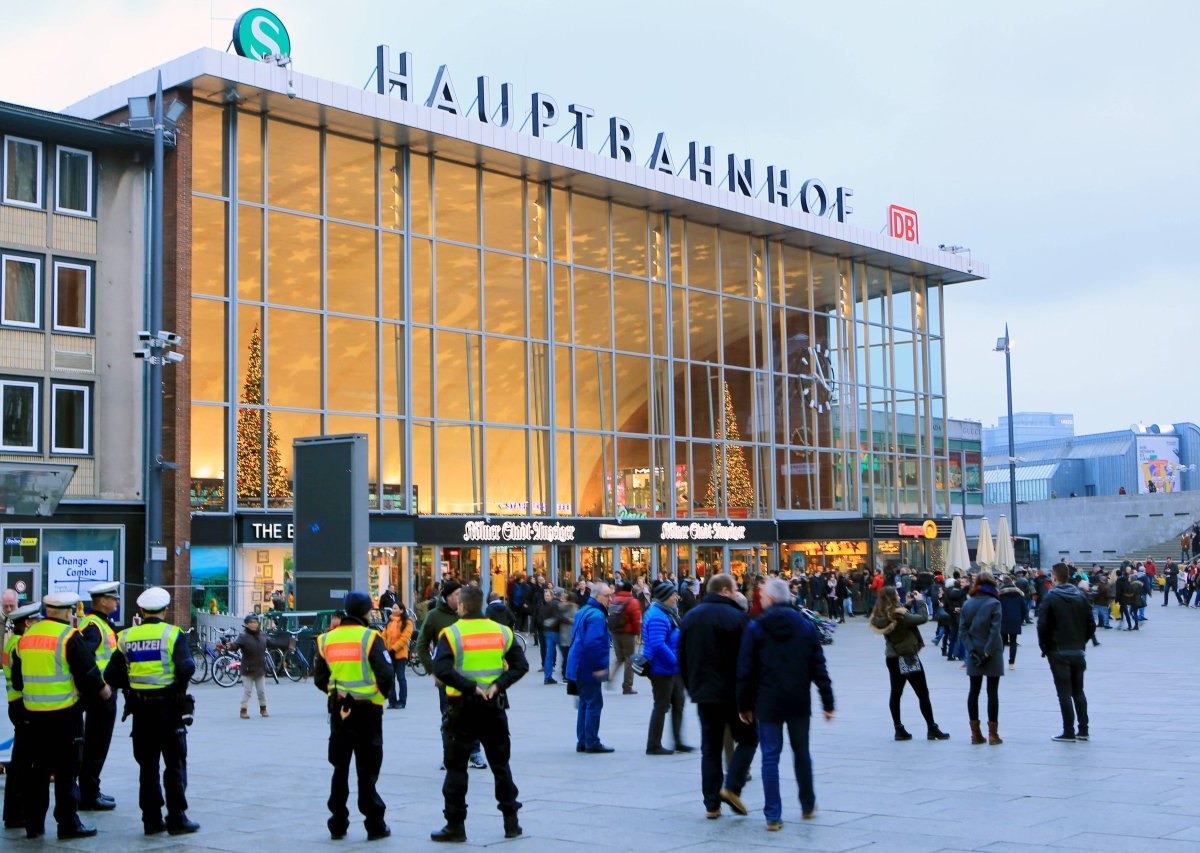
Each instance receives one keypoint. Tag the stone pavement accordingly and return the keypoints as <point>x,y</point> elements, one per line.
<point>262,784</point>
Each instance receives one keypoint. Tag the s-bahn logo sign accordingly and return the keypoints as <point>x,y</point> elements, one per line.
<point>546,120</point>
<point>259,33</point>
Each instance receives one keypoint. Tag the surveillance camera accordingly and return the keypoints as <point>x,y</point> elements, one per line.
<point>291,90</point>
<point>144,335</point>
<point>174,357</point>
<point>141,353</point>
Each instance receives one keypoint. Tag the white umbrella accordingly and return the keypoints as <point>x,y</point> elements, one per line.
<point>985,552</point>
<point>958,558</point>
<point>1006,560</point>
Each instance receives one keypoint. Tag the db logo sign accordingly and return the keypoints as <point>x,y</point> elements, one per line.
<point>902,223</point>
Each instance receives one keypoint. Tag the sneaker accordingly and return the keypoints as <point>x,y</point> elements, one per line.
<point>712,815</point>
<point>774,825</point>
<point>659,750</point>
<point>550,681</point>
<point>733,800</point>
<point>1065,737</point>
<point>810,814</point>
<point>478,763</point>
<point>1083,735</point>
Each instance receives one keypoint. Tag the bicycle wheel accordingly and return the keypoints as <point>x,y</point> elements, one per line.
<point>201,673</point>
<point>520,639</point>
<point>295,666</point>
<point>224,673</point>
<point>414,664</point>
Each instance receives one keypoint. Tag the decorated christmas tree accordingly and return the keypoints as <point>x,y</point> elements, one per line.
<point>250,432</point>
<point>730,459</point>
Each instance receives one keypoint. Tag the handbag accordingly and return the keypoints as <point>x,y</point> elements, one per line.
<point>909,664</point>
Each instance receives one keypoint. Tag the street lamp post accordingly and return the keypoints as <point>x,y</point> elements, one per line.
<point>1004,345</point>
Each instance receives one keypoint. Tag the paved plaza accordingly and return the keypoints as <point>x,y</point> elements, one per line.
<point>261,784</point>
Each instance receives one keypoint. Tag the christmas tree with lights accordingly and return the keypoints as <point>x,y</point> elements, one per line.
<point>731,459</point>
<point>250,432</point>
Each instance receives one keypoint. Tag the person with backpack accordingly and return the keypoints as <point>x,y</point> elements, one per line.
<point>625,624</point>
<point>660,641</point>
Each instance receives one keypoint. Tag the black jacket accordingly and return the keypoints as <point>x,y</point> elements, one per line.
<point>709,640</point>
<point>1065,623</point>
<point>515,665</point>
<point>780,660</point>
<point>501,613</point>
<point>253,645</point>
<point>377,656</point>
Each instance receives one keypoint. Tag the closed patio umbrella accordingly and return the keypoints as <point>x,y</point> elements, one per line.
<point>1006,559</point>
<point>958,558</point>
<point>985,552</point>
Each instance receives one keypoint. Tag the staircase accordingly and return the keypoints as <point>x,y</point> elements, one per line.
<point>1160,553</point>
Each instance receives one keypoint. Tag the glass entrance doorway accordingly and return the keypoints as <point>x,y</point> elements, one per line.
<point>595,563</point>
<point>460,563</point>
<point>505,564</point>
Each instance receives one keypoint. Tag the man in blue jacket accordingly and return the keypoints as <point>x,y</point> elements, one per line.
<point>587,666</point>
<point>660,640</point>
<point>779,661</point>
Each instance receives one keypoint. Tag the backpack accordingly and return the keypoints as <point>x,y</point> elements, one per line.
<point>616,616</point>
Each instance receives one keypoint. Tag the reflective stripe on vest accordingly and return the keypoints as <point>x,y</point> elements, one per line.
<point>478,646</point>
<point>6,657</point>
<point>108,639</point>
<point>147,649</point>
<point>346,650</point>
<point>45,679</point>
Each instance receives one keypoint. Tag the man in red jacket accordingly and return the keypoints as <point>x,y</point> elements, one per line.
<point>624,605</point>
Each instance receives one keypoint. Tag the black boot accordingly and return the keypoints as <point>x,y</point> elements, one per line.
<point>902,733</point>
<point>512,829</point>
<point>935,733</point>
<point>453,832</point>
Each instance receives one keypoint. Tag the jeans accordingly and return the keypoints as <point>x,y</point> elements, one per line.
<point>1129,614</point>
<point>1068,683</point>
<point>399,697</point>
<point>770,738</point>
<point>715,718</point>
<point>1103,614</point>
<point>587,720</point>
<point>668,694</point>
<point>1010,640</point>
<point>549,652</point>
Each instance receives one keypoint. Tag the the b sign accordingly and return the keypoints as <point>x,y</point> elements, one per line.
<point>902,223</point>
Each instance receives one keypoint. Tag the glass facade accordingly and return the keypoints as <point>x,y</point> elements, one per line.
<point>515,348</point>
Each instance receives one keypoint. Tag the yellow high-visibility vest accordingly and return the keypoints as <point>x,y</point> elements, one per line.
<point>108,639</point>
<point>46,681</point>
<point>148,651</point>
<point>346,649</point>
<point>478,646</point>
<point>6,657</point>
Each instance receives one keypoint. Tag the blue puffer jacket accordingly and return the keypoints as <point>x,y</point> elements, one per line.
<point>660,640</point>
<point>589,642</point>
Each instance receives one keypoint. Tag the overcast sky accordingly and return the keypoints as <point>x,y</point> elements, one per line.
<point>1056,140</point>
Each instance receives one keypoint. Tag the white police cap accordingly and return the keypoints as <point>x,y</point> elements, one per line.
<point>25,612</point>
<point>107,588</point>
<point>60,599</point>
<point>154,599</point>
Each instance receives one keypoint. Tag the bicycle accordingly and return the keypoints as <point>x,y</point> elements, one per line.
<point>291,662</point>
<point>414,660</point>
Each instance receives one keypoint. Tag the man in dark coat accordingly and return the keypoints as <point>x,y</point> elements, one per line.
<point>1064,628</point>
<point>709,640</point>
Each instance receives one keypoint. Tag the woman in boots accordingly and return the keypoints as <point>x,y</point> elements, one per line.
<point>979,632</point>
<point>253,645</point>
<point>902,646</point>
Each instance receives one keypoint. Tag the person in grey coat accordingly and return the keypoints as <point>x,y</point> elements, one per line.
<point>979,631</point>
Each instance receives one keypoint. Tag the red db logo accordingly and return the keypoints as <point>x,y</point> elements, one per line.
<point>902,223</point>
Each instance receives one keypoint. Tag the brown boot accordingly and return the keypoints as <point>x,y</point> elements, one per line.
<point>993,734</point>
<point>976,735</point>
<point>244,715</point>
<point>262,711</point>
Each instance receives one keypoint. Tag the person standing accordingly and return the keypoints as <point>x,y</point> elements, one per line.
<point>56,676</point>
<point>396,636</point>
<point>478,661</point>
<point>1064,628</point>
<point>252,643</point>
<point>99,717</point>
<point>437,620</point>
<point>587,667</point>
<point>549,619</point>
<point>625,624</point>
<point>710,637</point>
<point>779,661</point>
<point>152,664</point>
<point>984,649</point>
<point>953,602</point>
<point>9,602</point>
<point>20,763</point>
<point>1102,601</point>
<point>1012,617</point>
<point>1172,585</point>
<point>899,626</point>
<point>353,670</point>
<point>660,640</point>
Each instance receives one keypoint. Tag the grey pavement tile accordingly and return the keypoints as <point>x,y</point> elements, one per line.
<point>1107,841</point>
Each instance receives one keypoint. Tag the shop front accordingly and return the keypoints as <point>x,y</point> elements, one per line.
<point>843,545</point>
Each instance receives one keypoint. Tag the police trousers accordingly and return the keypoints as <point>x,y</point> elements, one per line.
<point>17,775</point>
<point>55,741</point>
<point>470,721</point>
<point>358,736</point>
<point>159,733</point>
<point>98,722</point>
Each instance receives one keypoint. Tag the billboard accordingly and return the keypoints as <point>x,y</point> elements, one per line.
<point>1158,463</point>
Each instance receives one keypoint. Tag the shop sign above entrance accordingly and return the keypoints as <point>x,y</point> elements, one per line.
<point>517,531</point>
<point>737,175</point>
<point>259,34</point>
<point>928,530</point>
<point>702,531</point>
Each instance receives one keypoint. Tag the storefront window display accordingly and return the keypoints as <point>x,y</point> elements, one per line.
<point>838,555</point>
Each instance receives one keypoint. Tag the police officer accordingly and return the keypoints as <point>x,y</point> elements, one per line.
<point>153,663</point>
<point>354,669</point>
<point>478,661</point>
<point>98,718</point>
<point>57,676</point>
<point>21,762</point>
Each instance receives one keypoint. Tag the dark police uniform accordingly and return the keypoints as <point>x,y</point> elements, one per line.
<point>56,675</point>
<point>354,670</point>
<point>473,654</point>
<point>21,761</point>
<point>99,717</point>
<point>153,663</point>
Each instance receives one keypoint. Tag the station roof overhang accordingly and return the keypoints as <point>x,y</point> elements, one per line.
<point>224,77</point>
<point>21,120</point>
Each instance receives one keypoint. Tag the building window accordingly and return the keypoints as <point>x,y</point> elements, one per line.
<point>19,409</point>
<point>22,171</point>
<point>72,297</point>
<point>70,410</point>
<point>74,181</point>
<point>19,282</point>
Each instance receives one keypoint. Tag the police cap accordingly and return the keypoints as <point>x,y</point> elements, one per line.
<point>108,588</point>
<point>357,604</point>
<point>25,612</point>
<point>154,599</point>
<point>60,599</point>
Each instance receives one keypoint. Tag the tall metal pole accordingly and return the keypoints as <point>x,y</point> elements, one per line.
<point>1012,445</point>
<point>154,497</point>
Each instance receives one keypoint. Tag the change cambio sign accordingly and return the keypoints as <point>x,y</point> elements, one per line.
<point>258,33</point>
<point>74,571</point>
